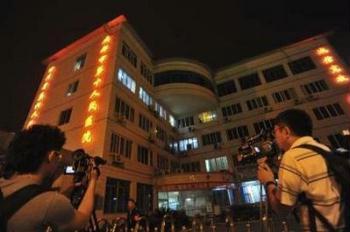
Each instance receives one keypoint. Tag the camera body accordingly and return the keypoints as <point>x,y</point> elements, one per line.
<point>258,147</point>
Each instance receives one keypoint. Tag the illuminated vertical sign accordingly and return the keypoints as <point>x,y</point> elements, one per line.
<point>336,71</point>
<point>39,102</point>
<point>93,105</point>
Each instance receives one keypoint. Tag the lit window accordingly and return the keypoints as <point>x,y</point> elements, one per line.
<point>188,144</point>
<point>172,120</point>
<point>126,80</point>
<point>207,116</point>
<point>145,97</point>
<point>79,63</point>
<point>160,110</point>
<point>72,88</point>
<point>216,164</point>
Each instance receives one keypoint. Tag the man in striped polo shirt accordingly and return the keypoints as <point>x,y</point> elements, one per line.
<point>301,171</point>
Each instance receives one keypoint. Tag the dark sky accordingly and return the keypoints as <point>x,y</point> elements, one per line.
<point>217,33</point>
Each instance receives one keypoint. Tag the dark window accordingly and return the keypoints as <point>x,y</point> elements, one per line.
<point>237,132</point>
<point>129,54</point>
<point>191,167</point>
<point>169,77</point>
<point>301,65</point>
<point>124,110</point>
<point>249,81</point>
<point>161,134</point>
<point>212,138</point>
<point>120,145</point>
<point>64,116</point>
<point>275,73</point>
<point>72,88</point>
<point>185,122</point>
<point>314,87</point>
<point>257,102</point>
<point>80,62</point>
<point>332,110</point>
<point>263,125</point>
<point>116,196</point>
<point>144,198</point>
<point>284,95</point>
<point>226,88</point>
<point>142,155</point>
<point>146,73</point>
<point>231,109</point>
<point>144,123</point>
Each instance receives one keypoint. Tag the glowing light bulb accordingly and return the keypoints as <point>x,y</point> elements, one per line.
<point>95,94</point>
<point>87,137</point>
<point>335,69</point>
<point>102,59</point>
<point>106,40</point>
<point>104,48</point>
<point>88,121</point>
<point>322,51</point>
<point>97,82</point>
<point>341,79</point>
<point>99,70</point>
<point>92,106</point>
<point>328,59</point>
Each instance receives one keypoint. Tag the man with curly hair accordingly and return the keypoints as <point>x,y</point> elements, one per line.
<point>34,158</point>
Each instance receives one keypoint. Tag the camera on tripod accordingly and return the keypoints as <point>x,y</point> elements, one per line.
<point>257,147</point>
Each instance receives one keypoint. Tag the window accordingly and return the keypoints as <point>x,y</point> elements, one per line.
<point>160,110</point>
<point>124,110</point>
<point>144,198</point>
<point>231,109</point>
<point>64,116</point>
<point>257,103</point>
<point>162,162</point>
<point>191,167</point>
<point>142,155</point>
<point>116,195</point>
<point>79,62</point>
<point>145,123</point>
<point>126,80</point>
<point>185,122</point>
<point>129,54</point>
<point>120,146</point>
<point>212,138</point>
<point>263,125</point>
<point>328,111</point>
<point>337,140</point>
<point>179,76</point>
<point>275,73</point>
<point>314,87</point>
<point>72,88</point>
<point>226,88</point>
<point>237,132</point>
<point>249,81</point>
<point>216,164</point>
<point>207,116</point>
<point>284,95</point>
<point>301,65</point>
<point>172,120</point>
<point>188,144</point>
<point>145,97</point>
<point>146,73</point>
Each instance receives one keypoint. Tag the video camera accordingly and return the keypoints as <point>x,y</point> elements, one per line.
<point>257,147</point>
<point>80,169</point>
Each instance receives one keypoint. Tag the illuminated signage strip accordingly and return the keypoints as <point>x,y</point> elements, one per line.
<point>93,105</point>
<point>328,60</point>
<point>39,103</point>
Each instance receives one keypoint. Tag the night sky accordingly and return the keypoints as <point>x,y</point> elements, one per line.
<point>217,33</point>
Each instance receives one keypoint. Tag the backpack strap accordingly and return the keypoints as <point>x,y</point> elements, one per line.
<point>12,203</point>
<point>313,213</point>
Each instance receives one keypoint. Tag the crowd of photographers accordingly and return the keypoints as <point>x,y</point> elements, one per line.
<point>33,162</point>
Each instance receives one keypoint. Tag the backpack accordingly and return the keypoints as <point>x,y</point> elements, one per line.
<point>12,203</point>
<point>338,162</point>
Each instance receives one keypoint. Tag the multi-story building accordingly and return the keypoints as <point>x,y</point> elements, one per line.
<point>170,129</point>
